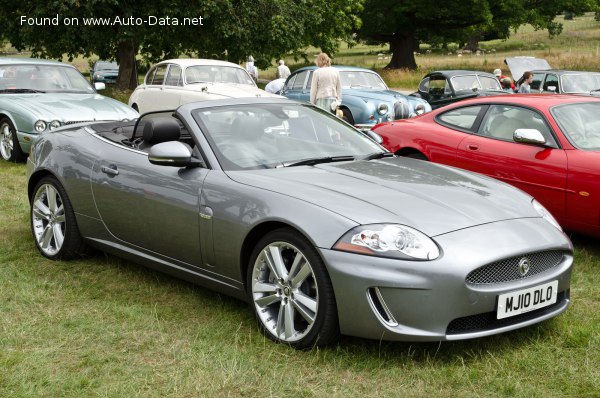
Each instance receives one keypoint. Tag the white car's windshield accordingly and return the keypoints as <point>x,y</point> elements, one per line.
<point>358,79</point>
<point>42,78</point>
<point>470,82</point>
<point>580,123</point>
<point>279,135</point>
<point>217,74</point>
<point>580,83</point>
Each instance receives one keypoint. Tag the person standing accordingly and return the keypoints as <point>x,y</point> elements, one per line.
<point>525,87</point>
<point>252,69</point>
<point>501,78</point>
<point>326,87</point>
<point>283,72</point>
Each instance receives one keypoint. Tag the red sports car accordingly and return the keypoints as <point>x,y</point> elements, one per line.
<point>547,145</point>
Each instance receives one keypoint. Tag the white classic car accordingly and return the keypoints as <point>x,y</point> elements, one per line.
<point>175,82</point>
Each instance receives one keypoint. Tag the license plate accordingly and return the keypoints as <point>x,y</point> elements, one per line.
<point>525,300</point>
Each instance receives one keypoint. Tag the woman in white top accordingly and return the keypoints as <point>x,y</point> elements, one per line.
<point>326,86</point>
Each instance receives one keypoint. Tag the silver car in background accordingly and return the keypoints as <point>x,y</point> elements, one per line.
<point>314,224</point>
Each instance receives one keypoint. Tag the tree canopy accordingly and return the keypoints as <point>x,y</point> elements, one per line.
<point>230,29</point>
<point>406,24</point>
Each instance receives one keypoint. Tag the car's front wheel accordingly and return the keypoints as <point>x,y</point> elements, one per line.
<point>10,150</point>
<point>290,291</point>
<point>53,223</point>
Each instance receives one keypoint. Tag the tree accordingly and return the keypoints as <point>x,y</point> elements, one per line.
<point>123,29</point>
<point>406,24</point>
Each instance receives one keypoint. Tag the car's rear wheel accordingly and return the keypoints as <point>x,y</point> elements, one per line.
<point>290,291</point>
<point>348,116</point>
<point>53,223</point>
<point>416,155</point>
<point>10,150</point>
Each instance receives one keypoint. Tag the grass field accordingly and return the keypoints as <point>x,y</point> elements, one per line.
<point>104,327</point>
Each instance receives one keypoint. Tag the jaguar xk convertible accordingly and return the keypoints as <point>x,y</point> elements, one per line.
<point>319,228</point>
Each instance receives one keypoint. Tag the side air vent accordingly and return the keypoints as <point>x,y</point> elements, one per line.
<point>380,307</point>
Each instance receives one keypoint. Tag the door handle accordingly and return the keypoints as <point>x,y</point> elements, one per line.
<point>473,147</point>
<point>110,170</point>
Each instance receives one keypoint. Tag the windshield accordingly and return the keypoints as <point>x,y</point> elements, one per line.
<point>42,78</point>
<point>470,82</point>
<point>107,66</point>
<point>580,123</point>
<point>580,82</point>
<point>361,79</point>
<point>217,74</point>
<point>275,135</point>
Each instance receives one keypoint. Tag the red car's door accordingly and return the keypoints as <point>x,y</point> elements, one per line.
<point>583,206</point>
<point>540,171</point>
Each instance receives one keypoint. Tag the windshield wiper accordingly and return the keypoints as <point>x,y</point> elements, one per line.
<point>594,91</point>
<point>20,90</point>
<point>313,161</point>
<point>379,155</point>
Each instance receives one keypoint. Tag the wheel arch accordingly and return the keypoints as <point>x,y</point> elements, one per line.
<point>35,178</point>
<point>255,234</point>
<point>410,151</point>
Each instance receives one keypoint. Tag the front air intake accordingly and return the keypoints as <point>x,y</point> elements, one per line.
<point>380,307</point>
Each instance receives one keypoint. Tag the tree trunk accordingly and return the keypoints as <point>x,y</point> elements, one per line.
<point>126,52</point>
<point>473,43</point>
<point>403,57</point>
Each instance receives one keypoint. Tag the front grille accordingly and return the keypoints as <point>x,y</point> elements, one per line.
<point>488,321</point>
<point>78,121</point>
<point>508,269</point>
<point>401,110</point>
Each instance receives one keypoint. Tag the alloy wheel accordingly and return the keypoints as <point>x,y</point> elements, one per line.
<point>6,141</point>
<point>284,291</point>
<point>48,219</point>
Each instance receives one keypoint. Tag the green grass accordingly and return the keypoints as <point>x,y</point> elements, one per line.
<point>101,326</point>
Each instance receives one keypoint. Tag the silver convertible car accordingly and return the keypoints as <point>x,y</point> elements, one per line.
<point>314,224</point>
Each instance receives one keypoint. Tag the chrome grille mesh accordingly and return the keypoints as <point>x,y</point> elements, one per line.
<point>508,269</point>
<point>78,121</point>
<point>401,110</point>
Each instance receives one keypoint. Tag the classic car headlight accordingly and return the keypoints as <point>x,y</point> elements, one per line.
<point>389,240</point>
<point>54,124</point>
<point>98,76</point>
<point>40,126</point>
<point>420,109</point>
<point>545,214</point>
<point>382,109</point>
<point>125,120</point>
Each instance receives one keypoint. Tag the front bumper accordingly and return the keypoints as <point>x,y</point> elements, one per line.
<point>25,140</point>
<point>431,301</point>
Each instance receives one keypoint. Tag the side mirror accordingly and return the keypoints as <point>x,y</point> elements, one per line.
<point>99,86</point>
<point>529,136</point>
<point>172,153</point>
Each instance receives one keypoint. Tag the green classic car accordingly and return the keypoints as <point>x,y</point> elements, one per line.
<point>38,96</point>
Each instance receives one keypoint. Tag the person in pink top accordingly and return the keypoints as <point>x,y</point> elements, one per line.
<point>326,87</point>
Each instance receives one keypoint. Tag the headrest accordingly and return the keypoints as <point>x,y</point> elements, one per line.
<point>161,130</point>
<point>247,128</point>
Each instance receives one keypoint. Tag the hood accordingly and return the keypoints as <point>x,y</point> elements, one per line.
<point>229,90</point>
<point>66,107</point>
<point>374,94</point>
<point>520,65</point>
<point>107,72</point>
<point>432,198</point>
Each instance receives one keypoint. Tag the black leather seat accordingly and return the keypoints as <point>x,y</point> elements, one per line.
<point>159,130</point>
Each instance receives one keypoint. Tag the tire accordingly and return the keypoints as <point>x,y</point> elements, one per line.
<point>53,224</point>
<point>10,150</point>
<point>290,291</point>
<point>416,155</point>
<point>348,116</point>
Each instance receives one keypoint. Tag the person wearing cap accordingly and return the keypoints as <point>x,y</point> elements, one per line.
<point>251,68</point>
<point>283,72</point>
<point>500,77</point>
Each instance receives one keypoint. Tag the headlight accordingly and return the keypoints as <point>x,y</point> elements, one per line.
<point>382,109</point>
<point>125,120</point>
<point>54,124</point>
<point>390,117</point>
<point>98,76</point>
<point>40,126</point>
<point>420,109</point>
<point>545,214</point>
<point>389,240</point>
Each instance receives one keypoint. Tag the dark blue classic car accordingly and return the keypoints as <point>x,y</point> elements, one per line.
<point>366,99</point>
<point>104,72</point>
